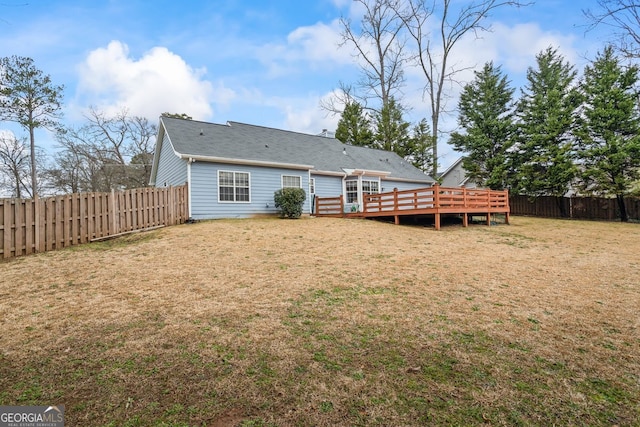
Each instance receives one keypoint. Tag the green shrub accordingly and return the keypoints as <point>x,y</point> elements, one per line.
<point>289,201</point>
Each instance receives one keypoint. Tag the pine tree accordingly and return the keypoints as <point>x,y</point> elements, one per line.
<point>419,150</point>
<point>609,134</point>
<point>547,114</point>
<point>354,127</point>
<point>392,131</point>
<point>486,116</point>
<point>29,98</point>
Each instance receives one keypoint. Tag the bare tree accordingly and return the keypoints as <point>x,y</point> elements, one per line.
<point>108,152</point>
<point>623,16</point>
<point>336,103</point>
<point>14,159</point>
<point>379,47</point>
<point>435,46</point>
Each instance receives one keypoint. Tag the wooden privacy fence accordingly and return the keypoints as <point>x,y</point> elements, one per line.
<point>28,226</point>
<point>597,208</point>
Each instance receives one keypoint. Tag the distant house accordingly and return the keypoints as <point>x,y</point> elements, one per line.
<point>232,170</point>
<point>456,176</point>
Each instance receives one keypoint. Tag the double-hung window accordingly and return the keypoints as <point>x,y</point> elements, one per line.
<point>370,187</point>
<point>352,191</point>
<point>312,186</point>
<point>291,181</point>
<point>233,186</point>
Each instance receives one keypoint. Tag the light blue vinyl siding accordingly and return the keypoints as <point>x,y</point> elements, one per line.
<point>328,186</point>
<point>387,185</point>
<point>172,170</point>
<point>263,182</point>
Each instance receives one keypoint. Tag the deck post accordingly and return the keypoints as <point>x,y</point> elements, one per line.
<point>488,208</point>
<point>465,217</point>
<point>342,206</point>
<point>436,204</point>
<point>395,199</point>
<point>506,214</point>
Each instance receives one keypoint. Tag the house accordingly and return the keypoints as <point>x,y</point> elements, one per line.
<point>232,170</point>
<point>456,176</point>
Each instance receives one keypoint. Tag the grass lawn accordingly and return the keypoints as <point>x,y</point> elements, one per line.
<point>325,322</point>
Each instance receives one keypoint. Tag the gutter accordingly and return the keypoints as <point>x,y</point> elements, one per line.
<point>228,160</point>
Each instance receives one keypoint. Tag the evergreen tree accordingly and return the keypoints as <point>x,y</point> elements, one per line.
<point>419,150</point>
<point>354,127</point>
<point>609,134</point>
<point>547,110</point>
<point>29,98</point>
<point>486,116</point>
<point>392,132</point>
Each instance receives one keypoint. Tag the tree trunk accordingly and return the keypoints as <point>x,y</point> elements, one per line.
<point>34,179</point>
<point>624,217</point>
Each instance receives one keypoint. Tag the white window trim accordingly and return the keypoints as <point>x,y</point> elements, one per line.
<point>359,185</point>
<point>377,181</point>
<point>234,179</point>
<point>282,177</point>
<point>312,185</point>
<point>358,191</point>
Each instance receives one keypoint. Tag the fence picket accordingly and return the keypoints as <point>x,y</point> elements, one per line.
<point>43,224</point>
<point>594,208</point>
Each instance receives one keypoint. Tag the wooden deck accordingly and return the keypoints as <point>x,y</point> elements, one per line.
<point>434,200</point>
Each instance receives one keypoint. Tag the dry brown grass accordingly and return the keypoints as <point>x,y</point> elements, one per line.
<point>330,322</point>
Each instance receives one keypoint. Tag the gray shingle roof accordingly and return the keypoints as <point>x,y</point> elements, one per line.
<point>238,141</point>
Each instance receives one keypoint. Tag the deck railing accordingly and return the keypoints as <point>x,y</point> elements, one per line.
<point>433,200</point>
<point>329,206</point>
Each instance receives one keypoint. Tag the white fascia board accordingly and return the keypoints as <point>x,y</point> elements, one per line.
<point>452,166</point>
<point>227,160</point>
<point>328,173</point>
<point>362,172</point>
<point>371,172</point>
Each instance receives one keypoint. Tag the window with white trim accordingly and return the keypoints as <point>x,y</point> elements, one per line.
<point>312,186</point>
<point>291,181</point>
<point>233,186</point>
<point>370,187</point>
<point>352,191</point>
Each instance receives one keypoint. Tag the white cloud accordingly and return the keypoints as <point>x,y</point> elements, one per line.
<point>305,115</point>
<point>319,43</point>
<point>6,134</point>
<point>160,81</point>
<point>309,47</point>
<point>518,45</point>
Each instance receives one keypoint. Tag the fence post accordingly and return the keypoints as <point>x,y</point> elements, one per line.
<point>36,223</point>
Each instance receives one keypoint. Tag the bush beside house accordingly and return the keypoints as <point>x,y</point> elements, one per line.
<point>289,201</point>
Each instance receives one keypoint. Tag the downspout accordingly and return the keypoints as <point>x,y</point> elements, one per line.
<point>344,188</point>
<point>360,198</point>
<point>189,192</point>
<point>310,195</point>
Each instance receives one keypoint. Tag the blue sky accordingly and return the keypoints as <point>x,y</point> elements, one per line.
<point>263,62</point>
